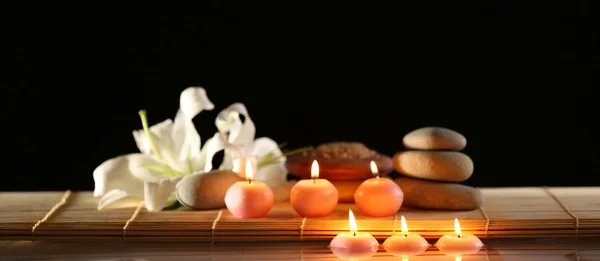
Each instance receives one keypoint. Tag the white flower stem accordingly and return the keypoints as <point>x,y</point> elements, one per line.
<point>144,119</point>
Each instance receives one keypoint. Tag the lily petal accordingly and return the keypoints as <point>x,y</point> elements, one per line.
<point>159,131</point>
<point>267,151</point>
<point>273,175</point>
<point>148,169</point>
<point>158,186</point>
<point>115,174</point>
<point>118,199</point>
<point>241,135</point>
<point>186,141</point>
<point>193,100</point>
<point>158,194</point>
<point>161,137</point>
<point>211,147</point>
<point>266,147</point>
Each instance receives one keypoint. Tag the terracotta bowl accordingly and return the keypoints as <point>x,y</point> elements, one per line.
<point>338,169</point>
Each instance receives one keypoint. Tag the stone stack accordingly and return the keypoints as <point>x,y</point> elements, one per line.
<point>432,166</point>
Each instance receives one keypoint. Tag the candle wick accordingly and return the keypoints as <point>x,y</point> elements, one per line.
<point>314,181</point>
<point>354,233</point>
<point>458,235</point>
<point>249,181</point>
<point>405,235</point>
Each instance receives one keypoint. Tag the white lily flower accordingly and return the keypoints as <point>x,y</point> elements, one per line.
<point>239,142</point>
<point>169,151</point>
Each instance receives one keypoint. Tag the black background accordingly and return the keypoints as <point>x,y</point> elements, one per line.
<point>516,79</point>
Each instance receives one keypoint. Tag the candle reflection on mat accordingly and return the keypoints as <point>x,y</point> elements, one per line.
<point>495,250</point>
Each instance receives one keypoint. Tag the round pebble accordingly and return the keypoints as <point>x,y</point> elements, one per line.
<point>434,138</point>
<point>206,190</point>
<point>425,194</point>
<point>448,166</point>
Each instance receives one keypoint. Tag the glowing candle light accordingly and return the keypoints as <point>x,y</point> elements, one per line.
<point>406,244</point>
<point>249,172</point>
<point>314,198</point>
<point>250,198</point>
<point>353,245</point>
<point>459,243</point>
<point>378,197</point>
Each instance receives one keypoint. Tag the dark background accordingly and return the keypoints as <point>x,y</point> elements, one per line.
<point>516,79</point>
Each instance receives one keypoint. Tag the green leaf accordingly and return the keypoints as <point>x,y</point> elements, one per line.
<point>299,150</point>
<point>175,205</point>
<point>270,159</point>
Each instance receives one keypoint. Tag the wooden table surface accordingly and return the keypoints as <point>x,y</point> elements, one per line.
<point>523,249</point>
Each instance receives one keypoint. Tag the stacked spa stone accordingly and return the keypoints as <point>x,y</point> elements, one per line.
<point>432,166</point>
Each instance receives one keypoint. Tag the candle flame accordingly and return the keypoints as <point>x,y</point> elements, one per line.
<point>249,170</point>
<point>457,227</point>
<point>405,258</point>
<point>403,225</point>
<point>457,258</point>
<point>352,221</point>
<point>374,169</point>
<point>314,170</point>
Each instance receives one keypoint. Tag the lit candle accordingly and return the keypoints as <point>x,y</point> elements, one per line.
<point>241,164</point>
<point>378,197</point>
<point>315,197</point>
<point>405,244</point>
<point>249,199</point>
<point>459,243</point>
<point>353,245</point>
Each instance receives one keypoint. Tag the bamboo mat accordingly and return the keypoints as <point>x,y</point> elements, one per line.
<point>498,249</point>
<point>506,213</point>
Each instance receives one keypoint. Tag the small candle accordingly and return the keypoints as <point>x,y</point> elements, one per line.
<point>241,164</point>
<point>353,245</point>
<point>315,197</point>
<point>378,197</point>
<point>249,199</point>
<point>405,244</point>
<point>458,243</point>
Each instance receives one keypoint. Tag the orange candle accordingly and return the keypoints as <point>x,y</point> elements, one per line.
<point>249,199</point>
<point>378,197</point>
<point>405,244</point>
<point>353,245</point>
<point>314,198</point>
<point>458,243</point>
